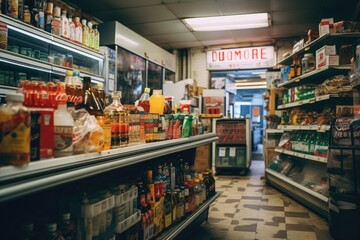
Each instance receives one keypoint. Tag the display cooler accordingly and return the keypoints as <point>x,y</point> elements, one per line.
<point>233,149</point>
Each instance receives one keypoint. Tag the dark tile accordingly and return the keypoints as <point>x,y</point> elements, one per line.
<point>297,214</point>
<point>272,224</point>
<point>214,209</point>
<point>279,219</point>
<point>252,206</point>
<point>259,190</point>
<point>240,189</point>
<point>251,197</point>
<point>246,228</point>
<point>253,219</point>
<point>236,205</point>
<point>255,185</point>
<point>229,215</point>
<point>234,222</point>
<point>232,200</point>
<point>215,220</point>
<point>225,186</point>
<point>322,234</point>
<point>300,227</point>
<point>264,200</point>
<point>237,210</point>
<point>273,208</point>
<point>280,234</point>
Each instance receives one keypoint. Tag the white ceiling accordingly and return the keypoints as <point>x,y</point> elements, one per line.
<point>160,20</point>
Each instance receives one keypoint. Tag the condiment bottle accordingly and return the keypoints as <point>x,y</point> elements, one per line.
<point>14,8</point>
<point>56,22</point>
<point>71,29</point>
<point>48,16</point>
<point>64,25</point>
<point>78,31</point>
<point>144,100</point>
<point>91,35</point>
<point>157,102</point>
<point>112,112</point>
<point>96,37</point>
<point>63,125</point>
<point>85,33</point>
<point>26,15</point>
<point>15,134</point>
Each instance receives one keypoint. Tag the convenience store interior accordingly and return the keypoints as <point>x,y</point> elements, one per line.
<point>251,202</point>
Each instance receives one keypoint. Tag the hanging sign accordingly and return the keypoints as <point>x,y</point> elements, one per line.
<point>241,58</point>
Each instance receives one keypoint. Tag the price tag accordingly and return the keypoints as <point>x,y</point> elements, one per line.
<point>322,128</point>
<point>312,100</point>
<point>232,152</point>
<point>222,151</point>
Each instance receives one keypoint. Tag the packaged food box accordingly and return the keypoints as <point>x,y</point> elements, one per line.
<point>326,26</point>
<point>325,56</point>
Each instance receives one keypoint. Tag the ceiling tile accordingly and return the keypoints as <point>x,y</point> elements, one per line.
<point>179,45</point>
<point>155,13</point>
<point>165,27</point>
<point>204,36</point>
<point>217,42</point>
<point>294,17</point>
<point>291,30</point>
<point>249,33</point>
<point>231,7</point>
<point>284,5</point>
<point>202,8</point>
<point>168,38</point>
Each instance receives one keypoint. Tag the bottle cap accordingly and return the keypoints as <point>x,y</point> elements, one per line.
<point>68,73</point>
<point>147,90</point>
<point>77,19</point>
<point>90,24</point>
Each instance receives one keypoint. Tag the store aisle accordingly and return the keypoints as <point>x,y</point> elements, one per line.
<point>247,209</point>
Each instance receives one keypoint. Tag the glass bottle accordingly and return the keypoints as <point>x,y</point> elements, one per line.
<point>96,37</point>
<point>56,22</point>
<point>26,15</point>
<point>112,112</point>
<point>197,192</point>
<point>91,103</point>
<point>91,35</point>
<point>144,100</point>
<point>64,25</point>
<point>157,102</point>
<point>78,31</point>
<point>85,33</point>
<point>63,125</point>
<point>15,135</point>
<point>49,15</point>
<point>14,8</point>
<point>71,29</point>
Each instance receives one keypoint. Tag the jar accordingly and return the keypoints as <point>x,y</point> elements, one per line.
<point>3,35</point>
<point>15,135</point>
<point>308,63</point>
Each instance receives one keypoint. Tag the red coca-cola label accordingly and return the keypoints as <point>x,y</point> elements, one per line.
<point>61,98</point>
<point>75,99</point>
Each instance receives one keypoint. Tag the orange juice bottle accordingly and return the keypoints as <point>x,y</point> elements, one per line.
<point>157,102</point>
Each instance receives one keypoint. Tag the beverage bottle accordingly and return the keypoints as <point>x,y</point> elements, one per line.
<point>27,231</point>
<point>91,34</point>
<point>71,29</point>
<point>150,185</point>
<point>134,124</point>
<point>51,87</point>
<point>15,132</point>
<point>78,31</point>
<point>197,192</point>
<point>50,232</point>
<point>186,198</point>
<point>91,103</point>
<point>35,94</point>
<point>56,22</point>
<point>85,33</point>
<point>142,125</point>
<point>311,144</point>
<point>112,112</point>
<point>96,37</point>
<point>174,203</point>
<point>64,25</point>
<point>66,225</point>
<point>63,125</point>
<point>48,15</point>
<point>26,15</point>
<point>144,100</point>
<point>44,96</point>
<point>157,102</point>
<point>211,182</point>
<point>203,188</point>
<point>14,8</point>
<point>168,209</point>
<point>40,18</point>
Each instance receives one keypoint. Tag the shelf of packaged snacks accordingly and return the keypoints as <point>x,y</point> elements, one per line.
<point>178,228</point>
<point>308,101</point>
<point>301,155</point>
<point>57,171</point>
<point>327,39</point>
<point>301,193</point>
<point>44,36</point>
<point>319,128</point>
<point>318,74</point>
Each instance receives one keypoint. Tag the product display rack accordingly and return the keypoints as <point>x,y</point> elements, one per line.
<point>233,150</point>
<point>28,35</point>
<point>312,165</point>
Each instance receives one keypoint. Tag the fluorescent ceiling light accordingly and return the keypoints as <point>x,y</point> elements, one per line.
<point>244,21</point>
<point>252,87</point>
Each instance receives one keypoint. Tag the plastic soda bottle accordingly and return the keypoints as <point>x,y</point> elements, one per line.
<point>157,102</point>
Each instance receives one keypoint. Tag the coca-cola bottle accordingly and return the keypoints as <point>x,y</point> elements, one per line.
<point>74,88</point>
<point>92,104</point>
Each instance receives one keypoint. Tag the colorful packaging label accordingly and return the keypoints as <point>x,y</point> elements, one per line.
<point>63,140</point>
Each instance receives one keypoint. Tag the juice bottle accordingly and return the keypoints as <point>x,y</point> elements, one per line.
<point>112,112</point>
<point>15,132</point>
<point>96,37</point>
<point>85,33</point>
<point>144,100</point>
<point>64,25</point>
<point>157,102</point>
<point>71,29</point>
<point>78,31</point>
<point>91,35</point>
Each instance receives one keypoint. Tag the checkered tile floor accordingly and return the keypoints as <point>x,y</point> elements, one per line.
<point>247,209</point>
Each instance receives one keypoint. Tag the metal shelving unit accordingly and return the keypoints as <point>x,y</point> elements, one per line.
<point>319,128</point>
<point>302,155</point>
<point>308,101</point>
